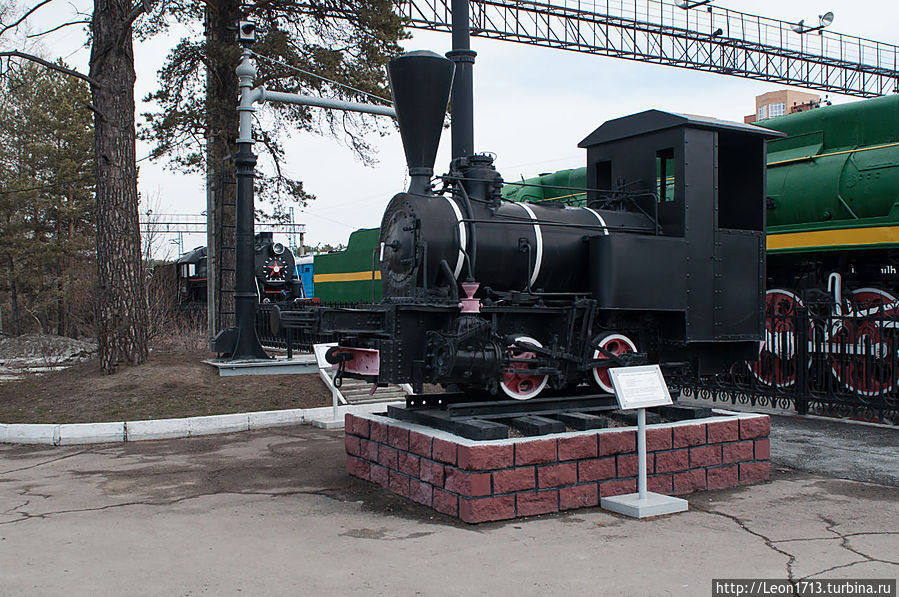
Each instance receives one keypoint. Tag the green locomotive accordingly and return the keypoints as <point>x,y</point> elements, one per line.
<point>351,275</point>
<point>833,197</point>
<point>832,237</point>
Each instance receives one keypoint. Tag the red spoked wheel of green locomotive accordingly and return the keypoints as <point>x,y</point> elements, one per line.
<point>521,385</point>
<point>776,366</point>
<point>864,351</point>
<point>617,345</point>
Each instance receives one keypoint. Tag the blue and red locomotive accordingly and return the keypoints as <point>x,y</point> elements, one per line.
<point>275,271</point>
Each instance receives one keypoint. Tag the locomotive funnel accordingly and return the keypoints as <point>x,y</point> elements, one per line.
<point>420,83</point>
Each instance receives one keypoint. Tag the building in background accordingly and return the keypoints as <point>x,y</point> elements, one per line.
<point>780,102</point>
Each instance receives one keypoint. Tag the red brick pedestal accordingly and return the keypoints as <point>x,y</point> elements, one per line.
<point>502,479</point>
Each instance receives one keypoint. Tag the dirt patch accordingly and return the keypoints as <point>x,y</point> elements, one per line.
<point>171,383</point>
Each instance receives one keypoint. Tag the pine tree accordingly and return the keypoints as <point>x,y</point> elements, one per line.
<point>121,309</point>
<point>46,205</point>
<point>196,125</point>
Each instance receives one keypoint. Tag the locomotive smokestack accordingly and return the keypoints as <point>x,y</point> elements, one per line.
<point>463,84</point>
<point>420,83</point>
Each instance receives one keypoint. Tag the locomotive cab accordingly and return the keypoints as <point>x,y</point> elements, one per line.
<point>703,186</point>
<point>190,272</point>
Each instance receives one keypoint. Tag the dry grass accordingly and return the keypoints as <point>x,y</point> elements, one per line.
<point>174,382</point>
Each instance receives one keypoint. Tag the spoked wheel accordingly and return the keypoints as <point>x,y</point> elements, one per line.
<point>777,363</point>
<point>522,386</point>
<point>616,344</point>
<point>866,348</point>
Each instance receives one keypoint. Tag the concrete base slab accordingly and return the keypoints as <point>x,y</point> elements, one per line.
<point>655,504</point>
<point>116,516</point>
<point>328,423</point>
<point>300,364</point>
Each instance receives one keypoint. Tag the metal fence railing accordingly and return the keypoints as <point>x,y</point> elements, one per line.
<point>836,358</point>
<point>292,339</point>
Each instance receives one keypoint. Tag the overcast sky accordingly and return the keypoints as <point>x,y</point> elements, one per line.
<point>532,106</point>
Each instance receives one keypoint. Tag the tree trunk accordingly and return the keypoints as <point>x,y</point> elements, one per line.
<point>121,292</point>
<point>14,328</point>
<point>221,126</point>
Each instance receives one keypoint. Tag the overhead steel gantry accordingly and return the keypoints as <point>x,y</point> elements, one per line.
<point>196,224</point>
<point>704,37</point>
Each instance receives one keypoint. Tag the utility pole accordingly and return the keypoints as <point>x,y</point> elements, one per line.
<point>241,342</point>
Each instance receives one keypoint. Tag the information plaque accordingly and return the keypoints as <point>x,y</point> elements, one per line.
<point>640,387</point>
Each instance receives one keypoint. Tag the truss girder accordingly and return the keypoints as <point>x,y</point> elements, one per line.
<point>748,46</point>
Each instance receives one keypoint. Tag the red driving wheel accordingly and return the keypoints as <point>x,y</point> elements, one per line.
<point>616,344</point>
<point>522,386</point>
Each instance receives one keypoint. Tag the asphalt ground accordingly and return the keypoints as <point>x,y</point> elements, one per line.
<point>273,513</point>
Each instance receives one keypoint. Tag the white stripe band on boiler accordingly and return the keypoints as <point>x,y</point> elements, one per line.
<point>538,260</point>
<point>605,229</point>
<point>463,242</point>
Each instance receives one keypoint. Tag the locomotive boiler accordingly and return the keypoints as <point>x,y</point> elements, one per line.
<point>833,191</point>
<point>664,265</point>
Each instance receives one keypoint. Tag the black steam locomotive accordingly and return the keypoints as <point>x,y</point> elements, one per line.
<point>664,265</point>
<point>275,271</point>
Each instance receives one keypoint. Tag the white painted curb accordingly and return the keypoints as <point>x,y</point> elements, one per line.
<point>276,418</point>
<point>130,431</point>
<point>21,433</point>
<point>161,429</point>
<point>218,424</point>
<point>91,433</point>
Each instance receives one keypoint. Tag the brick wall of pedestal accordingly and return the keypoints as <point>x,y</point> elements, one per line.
<point>502,479</point>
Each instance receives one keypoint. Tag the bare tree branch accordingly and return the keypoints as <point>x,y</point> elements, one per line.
<point>24,16</point>
<point>136,11</point>
<point>57,28</point>
<point>78,12</point>
<point>51,66</point>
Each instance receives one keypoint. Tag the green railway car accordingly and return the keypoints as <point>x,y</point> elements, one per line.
<point>352,275</point>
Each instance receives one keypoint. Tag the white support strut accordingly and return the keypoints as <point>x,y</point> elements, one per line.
<point>538,259</point>
<point>463,239</point>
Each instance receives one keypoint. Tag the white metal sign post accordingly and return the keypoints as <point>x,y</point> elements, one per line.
<point>641,388</point>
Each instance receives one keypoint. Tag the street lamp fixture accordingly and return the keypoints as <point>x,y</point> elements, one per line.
<point>823,21</point>
<point>687,4</point>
